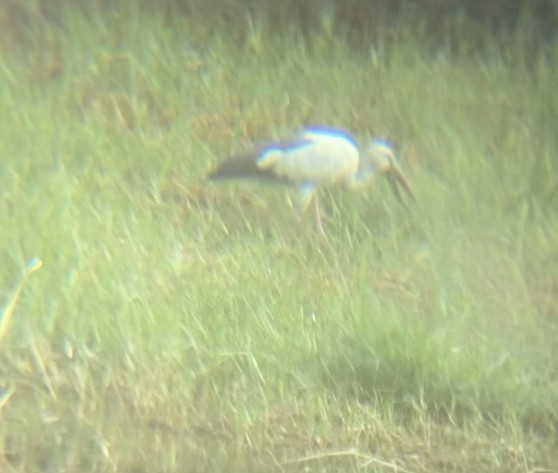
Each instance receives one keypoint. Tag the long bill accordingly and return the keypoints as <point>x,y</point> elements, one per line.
<point>397,178</point>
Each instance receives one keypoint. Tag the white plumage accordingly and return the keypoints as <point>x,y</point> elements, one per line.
<point>316,157</point>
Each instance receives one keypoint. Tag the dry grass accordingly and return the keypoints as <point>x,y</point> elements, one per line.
<point>179,326</point>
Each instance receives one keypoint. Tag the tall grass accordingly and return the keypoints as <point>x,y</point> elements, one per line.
<point>177,325</point>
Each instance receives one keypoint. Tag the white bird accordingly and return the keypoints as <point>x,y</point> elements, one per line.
<point>318,156</point>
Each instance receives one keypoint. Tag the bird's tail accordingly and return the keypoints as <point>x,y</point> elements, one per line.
<point>244,166</point>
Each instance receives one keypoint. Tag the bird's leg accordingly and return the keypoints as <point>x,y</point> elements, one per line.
<point>307,196</point>
<point>318,217</point>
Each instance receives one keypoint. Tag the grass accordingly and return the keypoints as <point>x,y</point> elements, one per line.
<point>179,326</point>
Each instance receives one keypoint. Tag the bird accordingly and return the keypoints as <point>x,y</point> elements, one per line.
<point>313,158</point>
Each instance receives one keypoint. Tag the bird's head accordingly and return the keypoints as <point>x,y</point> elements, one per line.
<point>380,158</point>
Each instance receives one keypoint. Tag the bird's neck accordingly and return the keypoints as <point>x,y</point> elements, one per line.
<point>359,179</point>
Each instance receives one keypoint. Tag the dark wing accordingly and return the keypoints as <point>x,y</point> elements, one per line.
<point>247,165</point>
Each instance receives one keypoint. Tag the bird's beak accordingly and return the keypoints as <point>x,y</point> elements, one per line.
<point>396,179</point>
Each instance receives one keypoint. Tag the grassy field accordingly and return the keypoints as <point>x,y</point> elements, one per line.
<point>177,325</point>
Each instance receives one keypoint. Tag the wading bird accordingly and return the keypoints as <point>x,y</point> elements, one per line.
<point>317,157</point>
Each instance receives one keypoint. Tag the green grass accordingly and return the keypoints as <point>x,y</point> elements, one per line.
<point>181,326</point>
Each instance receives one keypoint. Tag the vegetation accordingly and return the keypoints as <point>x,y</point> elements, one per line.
<point>176,325</point>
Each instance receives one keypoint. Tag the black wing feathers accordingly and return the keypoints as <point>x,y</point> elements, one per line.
<point>245,165</point>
